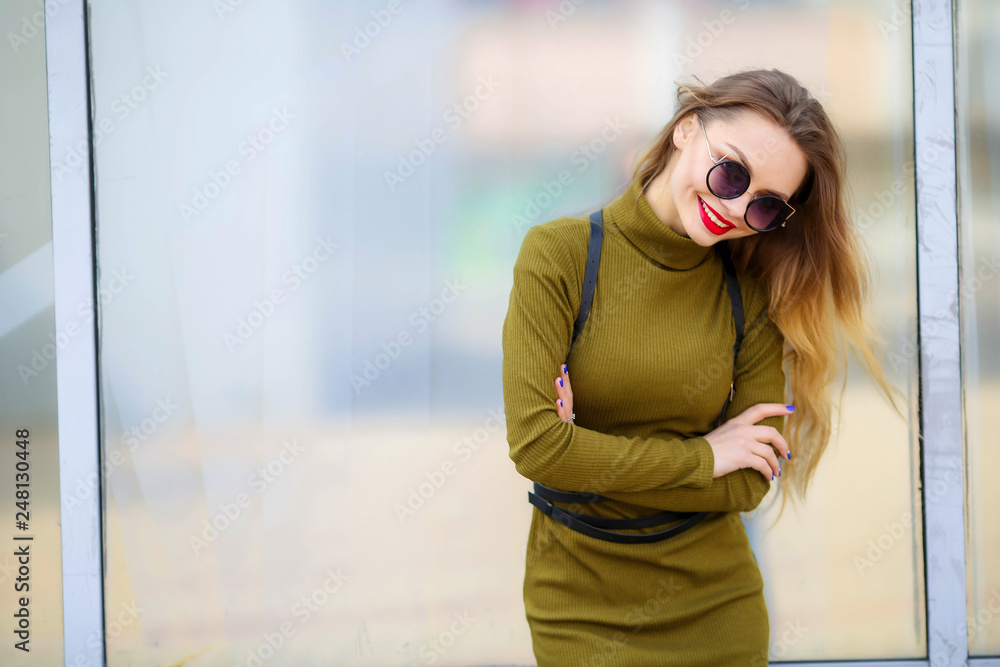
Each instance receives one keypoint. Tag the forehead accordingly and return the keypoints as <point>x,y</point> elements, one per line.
<point>774,159</point>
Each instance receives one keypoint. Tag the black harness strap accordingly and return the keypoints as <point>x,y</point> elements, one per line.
<point>594,526</point>
<point>737,302</point>
<point>590,273</point>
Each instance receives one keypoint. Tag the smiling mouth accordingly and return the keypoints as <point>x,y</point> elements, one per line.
<point>713,217</point>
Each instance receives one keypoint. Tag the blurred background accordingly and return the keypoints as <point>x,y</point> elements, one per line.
<point>307,215</point>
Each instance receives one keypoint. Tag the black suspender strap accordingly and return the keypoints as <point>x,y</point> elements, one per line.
<point>590,273</point>
<point>736,299</point>
<point>595,526</point>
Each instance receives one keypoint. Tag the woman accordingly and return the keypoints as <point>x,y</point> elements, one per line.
<point>754,162</point>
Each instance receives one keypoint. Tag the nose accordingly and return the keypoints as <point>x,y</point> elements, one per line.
<point>734,208</point>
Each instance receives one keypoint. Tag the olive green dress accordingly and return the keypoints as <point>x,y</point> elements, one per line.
<point>650,373</point>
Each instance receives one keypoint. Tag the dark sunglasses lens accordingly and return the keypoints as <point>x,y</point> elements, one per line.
<point>728,180</point>
<point>767,212</point>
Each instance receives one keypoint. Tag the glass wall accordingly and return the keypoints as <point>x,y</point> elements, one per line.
<point>312,210</point>
<point>978,303</point>
<point>30,558</point>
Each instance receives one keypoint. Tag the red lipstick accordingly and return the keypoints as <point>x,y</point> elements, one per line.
<point>707,221</point>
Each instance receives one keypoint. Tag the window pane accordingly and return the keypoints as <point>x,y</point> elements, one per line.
<point>313,209</point>
<point>31,556</point>
<point>978,48</point>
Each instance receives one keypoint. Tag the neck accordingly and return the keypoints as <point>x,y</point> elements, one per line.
<point>662,203</point>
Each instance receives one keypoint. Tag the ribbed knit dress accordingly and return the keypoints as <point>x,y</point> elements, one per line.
<point>650,372</point>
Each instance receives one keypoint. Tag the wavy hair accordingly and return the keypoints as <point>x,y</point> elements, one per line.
<point>816,270</point>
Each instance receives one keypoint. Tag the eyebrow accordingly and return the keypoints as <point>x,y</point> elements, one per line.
<point>746,163</point>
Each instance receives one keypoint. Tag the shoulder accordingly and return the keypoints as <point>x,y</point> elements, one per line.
<point>561,244</point>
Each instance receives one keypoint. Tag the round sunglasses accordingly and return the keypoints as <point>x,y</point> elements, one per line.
<point>728,179</point>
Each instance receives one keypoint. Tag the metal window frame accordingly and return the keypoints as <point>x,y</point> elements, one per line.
<point>78,370</point>
<point>942,459</point>
<point>941,453</point>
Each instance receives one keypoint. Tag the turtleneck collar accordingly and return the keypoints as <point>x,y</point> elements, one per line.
<point>632,215</point>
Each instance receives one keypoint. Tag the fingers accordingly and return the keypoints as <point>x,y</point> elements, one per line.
<point>760,411</point>
<point>766,461</point>
<point>770,434</point>
<point>564,402</point>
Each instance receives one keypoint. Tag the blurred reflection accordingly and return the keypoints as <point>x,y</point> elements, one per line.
<point>318,206</point>
<point>978,40</point>
<point>31,554</point>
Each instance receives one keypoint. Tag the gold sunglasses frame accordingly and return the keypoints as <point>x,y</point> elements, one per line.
<point>753,196</point>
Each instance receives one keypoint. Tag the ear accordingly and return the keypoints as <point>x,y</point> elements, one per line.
<point>685,130</point>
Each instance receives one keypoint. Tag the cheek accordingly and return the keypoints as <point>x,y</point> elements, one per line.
<point>690,182</point>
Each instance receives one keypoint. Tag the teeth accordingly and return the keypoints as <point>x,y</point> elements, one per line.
<point>712,217</point>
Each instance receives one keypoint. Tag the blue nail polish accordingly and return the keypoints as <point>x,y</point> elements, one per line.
<point>565,369</point>
<point>560,403</point>
<point>779,472</point>
<point>772,478</point>
<point>561,383</point>
<point>789,455</point>
<point>791,407</point>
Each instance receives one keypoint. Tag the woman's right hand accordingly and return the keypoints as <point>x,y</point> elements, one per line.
<point>740,443</point>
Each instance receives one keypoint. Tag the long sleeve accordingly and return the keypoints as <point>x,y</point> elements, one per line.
<point>759,379</point>
<point>537,330</point>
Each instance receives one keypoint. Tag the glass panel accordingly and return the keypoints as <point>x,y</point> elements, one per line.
<point>978,101</point>
<point>314,209</point>
<point>31,555</point>
<point>844,576</point>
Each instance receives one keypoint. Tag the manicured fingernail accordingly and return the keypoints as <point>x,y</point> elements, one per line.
<point>561,383</point>
<point>772,478</point>
<point>565,369</point>
<point>791,407</point>
<point>789,455</point>
<point>779,472</point>
<point>560,403</point>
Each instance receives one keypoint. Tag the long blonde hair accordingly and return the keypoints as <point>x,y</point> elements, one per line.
<point>816,269</point>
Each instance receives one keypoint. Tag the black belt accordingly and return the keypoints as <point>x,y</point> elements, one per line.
<point>595,526</point>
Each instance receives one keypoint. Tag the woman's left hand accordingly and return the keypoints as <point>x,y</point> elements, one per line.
<point>564,404</point>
